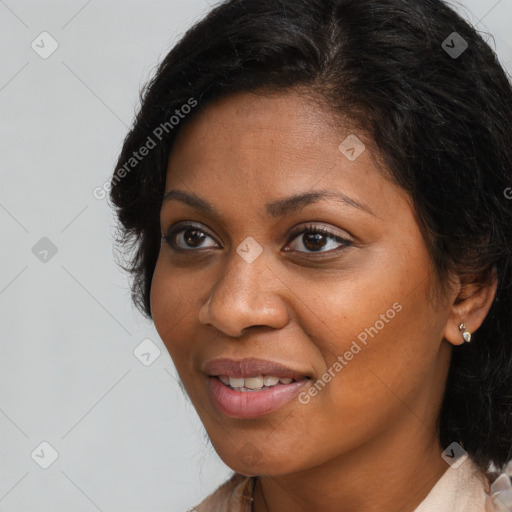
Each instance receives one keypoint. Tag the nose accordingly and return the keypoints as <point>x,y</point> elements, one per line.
<point>245,295</point>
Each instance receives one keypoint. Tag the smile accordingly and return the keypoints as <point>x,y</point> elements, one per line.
<point>242,401</point>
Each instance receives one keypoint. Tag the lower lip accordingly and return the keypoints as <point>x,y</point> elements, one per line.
<point>251,404</point>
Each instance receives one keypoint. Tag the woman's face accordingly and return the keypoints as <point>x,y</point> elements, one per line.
<point>252,278</point>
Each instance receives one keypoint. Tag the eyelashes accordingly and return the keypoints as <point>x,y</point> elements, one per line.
<point>170,238</point>
<point>319,233</point>
<point>180,237</point>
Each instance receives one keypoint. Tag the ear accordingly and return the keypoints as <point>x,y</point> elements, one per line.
<point>470,306</point>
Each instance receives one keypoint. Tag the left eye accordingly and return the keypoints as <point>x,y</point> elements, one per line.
<point>313,239</point>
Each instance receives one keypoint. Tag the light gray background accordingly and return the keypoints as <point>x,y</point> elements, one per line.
<point>126,437</point>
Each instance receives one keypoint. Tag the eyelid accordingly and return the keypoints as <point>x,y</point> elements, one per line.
<point>320,228</point>
<point>184,226</point>
<point>344,242</point>
<point>311,227</point>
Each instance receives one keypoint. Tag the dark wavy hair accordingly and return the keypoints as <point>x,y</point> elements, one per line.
<point>442,124</point>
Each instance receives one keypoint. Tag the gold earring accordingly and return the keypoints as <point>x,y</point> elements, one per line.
<point>465,333</point>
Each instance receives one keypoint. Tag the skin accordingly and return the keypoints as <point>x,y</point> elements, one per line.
<point>367,439</point>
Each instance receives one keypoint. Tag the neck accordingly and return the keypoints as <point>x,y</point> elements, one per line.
<point>395,475</point>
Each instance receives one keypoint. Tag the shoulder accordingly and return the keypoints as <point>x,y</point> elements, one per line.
<point>234,495</point>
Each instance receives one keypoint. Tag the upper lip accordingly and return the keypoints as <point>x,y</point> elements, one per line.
<point>250,367</point>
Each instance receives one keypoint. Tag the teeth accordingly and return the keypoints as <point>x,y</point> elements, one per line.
<point>270,381</point>
<point>235,382</point>
<point>253,383</point>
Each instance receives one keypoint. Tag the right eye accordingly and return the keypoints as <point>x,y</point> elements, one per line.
<point>186,237</point>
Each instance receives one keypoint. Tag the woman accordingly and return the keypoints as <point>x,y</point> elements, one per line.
<point>317,194</point>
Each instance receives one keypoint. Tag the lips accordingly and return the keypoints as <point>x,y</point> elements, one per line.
<point>243,403</point>
<point>252,404</point>
<point>251,367</point>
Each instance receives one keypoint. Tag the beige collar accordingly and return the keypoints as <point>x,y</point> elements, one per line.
<point>458,490</point>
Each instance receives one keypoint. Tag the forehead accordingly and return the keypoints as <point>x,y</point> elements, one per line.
<point>253,147</point>
<point>265,115</point>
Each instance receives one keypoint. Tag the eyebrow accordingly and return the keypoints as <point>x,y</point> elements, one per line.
<point>279,208</point>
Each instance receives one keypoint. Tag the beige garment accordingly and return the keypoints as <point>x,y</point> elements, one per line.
<point>235,495</point>
<point>458,490</point>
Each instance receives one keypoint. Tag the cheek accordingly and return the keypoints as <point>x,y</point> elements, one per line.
<point>170,306</point>
<point>176,299</point>
<point>159,298</point>
<point>379,334</point>
<point>386,354</point>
